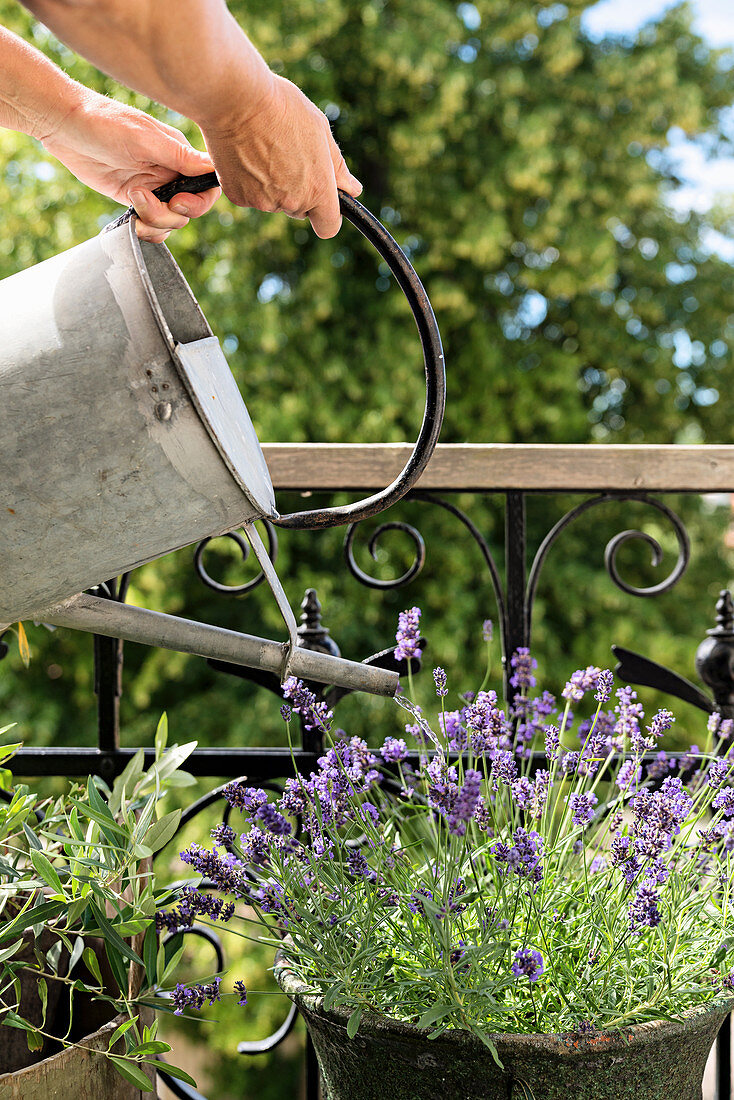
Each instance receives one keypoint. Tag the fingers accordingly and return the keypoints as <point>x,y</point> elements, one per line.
<point>325,216</point>
<point>344,178</point>
<point>157,219</point>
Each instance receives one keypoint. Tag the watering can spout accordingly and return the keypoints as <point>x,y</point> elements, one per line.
<point>136,624</point>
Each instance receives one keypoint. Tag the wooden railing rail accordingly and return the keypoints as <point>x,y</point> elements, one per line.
<point>485,467</point>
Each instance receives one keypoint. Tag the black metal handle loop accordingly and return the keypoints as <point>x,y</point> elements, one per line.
<point>373,231</point>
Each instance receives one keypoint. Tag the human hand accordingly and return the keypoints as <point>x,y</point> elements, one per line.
<point>123,153</point>
<point>283,158</point>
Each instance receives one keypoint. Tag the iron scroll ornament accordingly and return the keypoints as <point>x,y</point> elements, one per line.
<point>433,358</point>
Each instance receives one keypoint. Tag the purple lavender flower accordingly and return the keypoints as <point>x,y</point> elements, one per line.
<point>643,911</point>
<point>486,723</point>
<point>523,858</point>
<point>597,865</point>
<point>394,750</point>
<point>570,762</point>
<point>439,678</point>
<point>408,635</point>
<point>528,964</point>
<point>524,665</point>
<point>239,988</point>
<point>604,685</point>
<point>358,866</point>
<point>522,792</point>
<point>629,775</point>
<point>466,802</point>
<point>315,715</point>
<point>552,741</point>
<point>443,788</point>
<point>504,770</point>
<point>720,727</point>
<point>191,905</point>
<point>661,722</point>
<point>226,872</point>
<point>194,996</point>
<point>286,713</point>
<point>718,772</point>
<point>244,798</point>
<point>582,807</point>
<point>487,630</point>
<point>583,680</point>
<point>453,730</point>
<point>223,834</point>
<point>630,714</point>
<point>273,821</point>
<point>724,800</point>
<point>619,849</point>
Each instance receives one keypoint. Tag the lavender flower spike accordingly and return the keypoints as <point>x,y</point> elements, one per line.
<point>408,635</point>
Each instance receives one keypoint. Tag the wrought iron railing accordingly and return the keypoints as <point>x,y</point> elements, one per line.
<point>597,474</point>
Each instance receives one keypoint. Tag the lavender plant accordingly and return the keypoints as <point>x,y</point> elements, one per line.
<point>477,884</point>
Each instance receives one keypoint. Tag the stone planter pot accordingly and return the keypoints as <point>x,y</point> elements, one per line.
<point>387,1058</point>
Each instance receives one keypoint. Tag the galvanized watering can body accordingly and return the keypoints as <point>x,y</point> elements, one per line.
<point>126,437</point>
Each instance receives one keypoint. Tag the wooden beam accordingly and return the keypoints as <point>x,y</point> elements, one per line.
<point>501,466</point>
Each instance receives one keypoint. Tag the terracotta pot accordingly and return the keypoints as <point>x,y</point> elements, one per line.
<point>387,1058</point>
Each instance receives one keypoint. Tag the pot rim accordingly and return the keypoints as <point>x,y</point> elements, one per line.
<point>560,1043</point>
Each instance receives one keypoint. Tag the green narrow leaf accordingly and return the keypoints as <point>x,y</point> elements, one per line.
<point>43,994</point>
<point>35,914</point>
<point>160,832</point>
<point>46,870</point>
<point>435,1012</point>
<point>31,837</point>
<point>12,1019</point>
<point>331,995</point>
<point>34,1040</point>
<point>160,964</point>
<point>161,736</point>
<point>8,952</point>
<point>150,947</point>
<point>112,937</point>
<point>117,965</point>
<point>120,1031</point>
<point>23,647</point>
<point>90,960</point>
<point>175,1071</point>
<point>172,964</point>
<point>354,1021</point>
<point>126,780</point>
<point>132,1073</point>
<point>109,828</point>
<point>156,1046</point>
<point>521,1090</point>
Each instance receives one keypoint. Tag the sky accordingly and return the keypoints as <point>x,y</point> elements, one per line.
<point>714,20</point>
<point>705,179</point>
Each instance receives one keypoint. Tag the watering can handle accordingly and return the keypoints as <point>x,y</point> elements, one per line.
<point>374,231</point>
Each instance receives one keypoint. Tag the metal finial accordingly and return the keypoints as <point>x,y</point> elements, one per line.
<point>311,633</point>
<point>724,615</point>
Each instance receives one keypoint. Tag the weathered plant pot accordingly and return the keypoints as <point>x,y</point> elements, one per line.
<point>77,1072</point>
<point>652,1061</point>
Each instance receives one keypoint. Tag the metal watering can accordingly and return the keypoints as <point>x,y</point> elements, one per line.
<point>125,437</point>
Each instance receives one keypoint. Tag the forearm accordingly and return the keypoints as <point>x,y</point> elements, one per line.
<point>199,63</point>
<point>35,95</point>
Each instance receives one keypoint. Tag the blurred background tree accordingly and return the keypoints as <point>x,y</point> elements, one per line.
<point>524,167</point>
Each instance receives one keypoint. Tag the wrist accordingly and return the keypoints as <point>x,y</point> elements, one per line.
<point>63,103</point>
<point>246,87</point>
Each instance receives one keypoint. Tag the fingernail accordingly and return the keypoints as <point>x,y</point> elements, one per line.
<point>137,198</point>
<point>178,208</point>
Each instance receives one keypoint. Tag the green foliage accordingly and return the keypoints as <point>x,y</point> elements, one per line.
<point>75,875</point>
